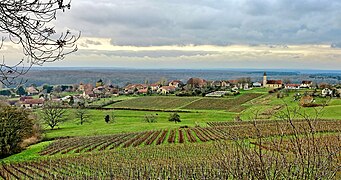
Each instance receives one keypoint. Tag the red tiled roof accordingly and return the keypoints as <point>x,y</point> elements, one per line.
<point>292,85</point>
<point>168,88</point>
<point>34,101</point>
<point>274,82</point>
<point>197,81</point>
<point>142,90</point>
<point>176,82</point>
<point>133,86</point>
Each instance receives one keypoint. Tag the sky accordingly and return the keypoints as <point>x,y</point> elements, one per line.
<point>200,34</point>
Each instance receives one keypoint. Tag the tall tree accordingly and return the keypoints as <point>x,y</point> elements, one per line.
<point>174,117</point>
<point>15,126</point>
<point>82,114</point>
<point>21,91</point>
<point>53,114</point>
<point>28,23</point>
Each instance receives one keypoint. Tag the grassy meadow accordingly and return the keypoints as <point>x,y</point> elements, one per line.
<point>129,131</point>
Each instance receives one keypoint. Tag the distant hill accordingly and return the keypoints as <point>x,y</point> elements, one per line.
<point>119,76</point>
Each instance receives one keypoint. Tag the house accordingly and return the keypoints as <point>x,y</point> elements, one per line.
<point>256,84</point>
<point>23,98</point>
<point>88,94</point>
<point>326,92</point>
<point>274,84</point>
<point>220,83</point>
<point>154,87</point>
<point>99,90</point>
<point>32,103</point>
<point>85,87</point>
<point>142,91</point>
<point>66,98</point>
<point>135,87</point>
<point>246,86</point>
<point>196,83</point>
<point>306,84</point>
<point>132,88</point>
<point>31,91</point>
<point>271,83</point>
<point>237,84</point>
<point>166,89</point>
<point>292,86</point>
<point>176,83</point>
<point>87,90</point>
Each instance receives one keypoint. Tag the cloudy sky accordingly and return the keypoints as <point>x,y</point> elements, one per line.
<point>262,34</point>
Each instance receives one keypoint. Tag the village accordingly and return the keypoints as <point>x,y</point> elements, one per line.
<point>72,95</point>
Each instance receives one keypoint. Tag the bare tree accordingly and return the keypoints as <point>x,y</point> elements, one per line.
<point>82,114</point>
<point>26,22</point>
<point>53,114</point>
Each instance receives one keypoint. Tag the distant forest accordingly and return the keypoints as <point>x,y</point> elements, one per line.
<point>123,76</point>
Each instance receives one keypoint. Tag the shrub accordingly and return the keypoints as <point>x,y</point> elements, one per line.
<point>174,117</point>
<point>150,118</point>
<point>15,127</point>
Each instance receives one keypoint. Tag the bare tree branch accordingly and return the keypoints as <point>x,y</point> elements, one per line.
<point>27,23</point>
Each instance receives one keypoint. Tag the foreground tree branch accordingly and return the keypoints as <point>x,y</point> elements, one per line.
<point>27,24</point>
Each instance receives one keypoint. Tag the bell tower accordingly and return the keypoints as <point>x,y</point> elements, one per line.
<point>264,79</point>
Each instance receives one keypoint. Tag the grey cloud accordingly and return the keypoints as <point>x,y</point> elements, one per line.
<point>151,22</point>
<point>93,42</point>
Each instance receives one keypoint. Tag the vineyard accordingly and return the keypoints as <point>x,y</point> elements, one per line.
<point>240,123</point>
<point>232,131</point>
<point>333,142</point>
<point>179,161</point>
<point>195,103</point>
<point>232,104</point>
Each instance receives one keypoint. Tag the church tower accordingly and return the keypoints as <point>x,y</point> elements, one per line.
<point>264,80</point>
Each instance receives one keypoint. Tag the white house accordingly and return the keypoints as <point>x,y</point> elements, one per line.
<point>306,84</point>
<point>292,86</point>
<point>326,92</point>
<point>257,84</point>
<point>166,89</point>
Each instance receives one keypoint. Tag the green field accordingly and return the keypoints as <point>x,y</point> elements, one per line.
<point>131,121</point>
<point>156,102</point>
<point>129,129</point>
